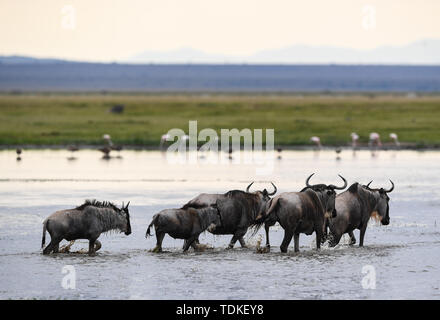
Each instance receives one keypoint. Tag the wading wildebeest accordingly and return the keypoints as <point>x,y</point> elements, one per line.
<point>301,212</point>
<point>355,207</point>
<point>87,221</point>
<point>182,223</point>
<point>238,210</point>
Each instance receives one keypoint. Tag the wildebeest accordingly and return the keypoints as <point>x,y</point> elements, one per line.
<point>301,212</point>
<point>355,207</point>
<point>183,223</point>
<point>87,221</point>
<point>238,210</point>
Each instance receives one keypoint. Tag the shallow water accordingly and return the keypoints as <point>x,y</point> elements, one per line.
<point>405,255</point>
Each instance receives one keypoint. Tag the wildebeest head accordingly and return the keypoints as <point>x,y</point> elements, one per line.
<point>328,194</point>
<point>382,207</point>
<point>125,227</point>
<point>264,195</point>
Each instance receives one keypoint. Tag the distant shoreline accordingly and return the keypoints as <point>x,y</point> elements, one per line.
<point>403,146</point>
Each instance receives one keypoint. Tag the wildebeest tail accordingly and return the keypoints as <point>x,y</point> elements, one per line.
<point>148,234</point>
<point>43,240</point>
<point>272,206</point>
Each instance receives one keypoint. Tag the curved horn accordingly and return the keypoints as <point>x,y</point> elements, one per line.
<point>345,183</point>
<point>127,204</point>
<point>368,185</point>
<point>247,189</point>
<point>275,190</point>
<point>392,187</point>
<point>307,180</point>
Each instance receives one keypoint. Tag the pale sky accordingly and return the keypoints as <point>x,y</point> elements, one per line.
<point>109,30</point>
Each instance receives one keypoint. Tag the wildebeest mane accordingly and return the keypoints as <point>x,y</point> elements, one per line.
<point>316,187</point>
<point>98,204</point>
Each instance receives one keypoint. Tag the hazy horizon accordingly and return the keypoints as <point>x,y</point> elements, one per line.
<point>114,31</point>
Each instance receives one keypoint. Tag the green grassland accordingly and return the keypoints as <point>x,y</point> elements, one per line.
<point>62,119</point>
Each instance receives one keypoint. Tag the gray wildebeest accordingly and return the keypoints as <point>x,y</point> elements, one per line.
<point>183,223</point>
<point>87,221</point>
<point>238,210</point>
<point>355,207</point>
<point>301,212</point>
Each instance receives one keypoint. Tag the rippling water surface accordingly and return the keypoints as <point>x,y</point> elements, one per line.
<point>405,255</point>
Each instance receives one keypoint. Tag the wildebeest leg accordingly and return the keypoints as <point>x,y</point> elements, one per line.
<point>361,238</point>
<point>334,239</point>
<point>296,241</point>
<point>195,244</point>
<point>189,242</point>
<point>319,236</point>
<point>97,245</point>
<point>266,228</point>
<point>159,239</point>
<point>325,235</point>
<point>288,234</point>
<point>352,238</point>
<point>242,243</point>
<point>92,246</point>
<point>54,243</point>
<point>238,234</point>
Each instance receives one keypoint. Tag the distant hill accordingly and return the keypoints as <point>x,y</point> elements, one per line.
<point>425,52</point>
<point>30,60</point>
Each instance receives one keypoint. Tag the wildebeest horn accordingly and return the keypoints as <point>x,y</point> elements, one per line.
<point>127,205</point>
<point>275,190</point>
<point>247,189</point>
<point>392,187</point>
<point>307,180</point>
<point>345,184</point>
<point>368,185</point>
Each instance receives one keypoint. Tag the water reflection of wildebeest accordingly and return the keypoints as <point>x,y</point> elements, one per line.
<point>301,212</point>
<point>87,221</point>
<point>183,223</point>
<point>355,207</point>
<point>238,210</point>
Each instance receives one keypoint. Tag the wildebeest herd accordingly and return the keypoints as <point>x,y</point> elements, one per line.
<point>316,208</point>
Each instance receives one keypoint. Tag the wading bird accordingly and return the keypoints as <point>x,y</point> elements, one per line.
<point>317,141</point>
<point>394,137</point>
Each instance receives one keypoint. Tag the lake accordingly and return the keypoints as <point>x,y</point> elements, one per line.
<point>404,255</point>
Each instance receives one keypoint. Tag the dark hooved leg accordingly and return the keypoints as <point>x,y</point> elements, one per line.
<point>325,234</point>
<point>159,239</point>
<point>188,243</point>
<point>195,244</point>
<point>362,235</point>
<point>232,242</point>
<point>238,234</point>
<point>334,239</point>
<point>296,241</point>
<point>48,248</point>
<point>54,244</point>
<point>242,243</point>
<point>352,238</point>
<point>266,228</point>
<point>318,239</point>
<point>92,247</point>
<point>97,245</point>
<point>288,234</point>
